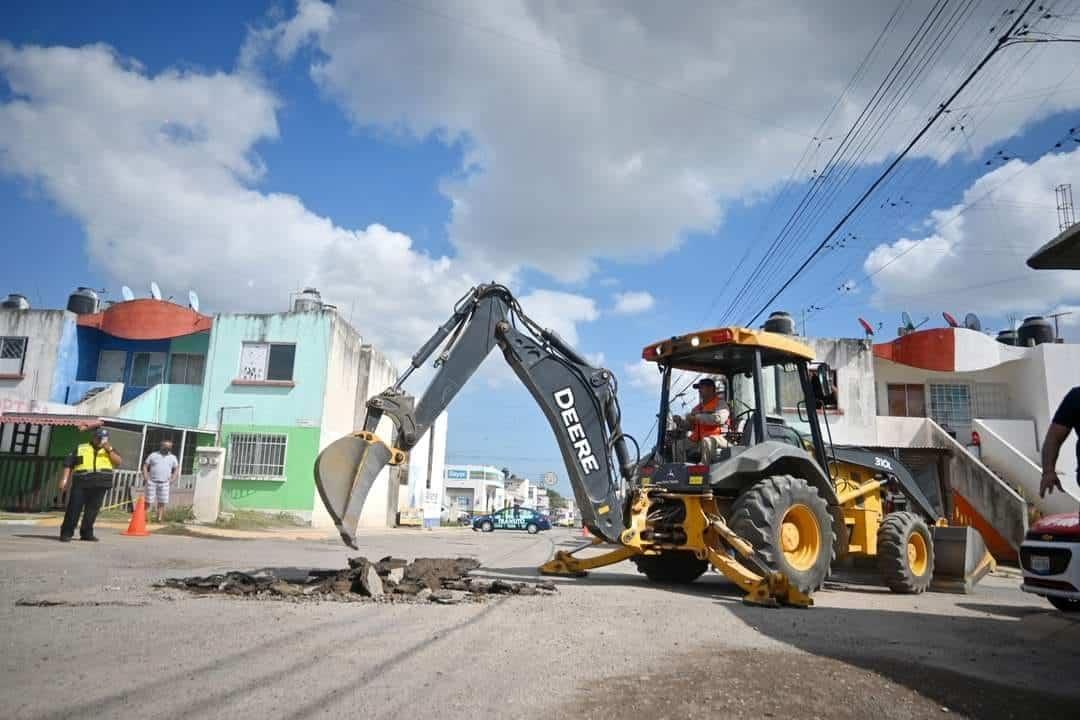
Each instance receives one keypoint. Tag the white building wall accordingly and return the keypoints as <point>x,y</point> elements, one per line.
<point>427,463</point>
<point>45,329</point>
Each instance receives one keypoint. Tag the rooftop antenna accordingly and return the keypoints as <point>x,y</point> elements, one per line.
<point>972,322</point>
<point>155,291</point>
<point>126,293</point>
<point>867,328</point>
<point>193,300</point>
<point>950,320</point>
<point>1057,315</point>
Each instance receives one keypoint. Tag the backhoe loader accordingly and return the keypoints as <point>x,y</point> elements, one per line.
<point>763,512</point>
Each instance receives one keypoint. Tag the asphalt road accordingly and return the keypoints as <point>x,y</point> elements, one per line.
<point>104,643</point>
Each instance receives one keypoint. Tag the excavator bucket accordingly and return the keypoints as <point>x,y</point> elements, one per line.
<point>960,559</point>
<point>344,473</point>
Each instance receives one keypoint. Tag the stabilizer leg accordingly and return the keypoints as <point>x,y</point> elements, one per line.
<point>565,563</point>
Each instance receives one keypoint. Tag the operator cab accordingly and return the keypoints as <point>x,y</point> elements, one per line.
<point>739,358</point>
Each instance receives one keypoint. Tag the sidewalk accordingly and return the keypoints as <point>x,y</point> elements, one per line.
<point>53,519</point>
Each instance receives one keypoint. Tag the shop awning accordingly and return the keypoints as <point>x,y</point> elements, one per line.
<point>84,422</point>
<point>1061,253</point>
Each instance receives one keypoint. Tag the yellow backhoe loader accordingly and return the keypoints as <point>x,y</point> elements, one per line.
<point>764,512</point>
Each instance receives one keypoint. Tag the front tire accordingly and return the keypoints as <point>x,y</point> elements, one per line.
<point>1064,604</point>
<point>789,525</point>
<point>905,553</point>
<point>676,567</point>
<point>486,526</point>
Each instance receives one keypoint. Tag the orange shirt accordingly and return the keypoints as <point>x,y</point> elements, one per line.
<point>700,430</point>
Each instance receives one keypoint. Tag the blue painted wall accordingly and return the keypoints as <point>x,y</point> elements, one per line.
<point>67,361</point>
<point>91,342</point>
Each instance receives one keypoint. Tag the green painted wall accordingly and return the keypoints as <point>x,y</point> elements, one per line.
<point>298,405</point>
<point>196,343</point>
<point>167,404</point>
<point>63,439</point>
<point>295,493</point>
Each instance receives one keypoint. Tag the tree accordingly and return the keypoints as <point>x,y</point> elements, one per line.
<point>555,500</point>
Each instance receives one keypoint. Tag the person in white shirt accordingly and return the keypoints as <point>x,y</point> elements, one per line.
<point>159,470</point>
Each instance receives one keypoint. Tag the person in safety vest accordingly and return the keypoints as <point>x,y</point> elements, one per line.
<point>89,470</point>
<point>705,425</point>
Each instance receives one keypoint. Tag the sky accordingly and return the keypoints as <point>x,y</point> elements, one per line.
<point>632,171</point>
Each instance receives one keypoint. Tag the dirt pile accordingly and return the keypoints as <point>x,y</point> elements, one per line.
<point>438,580</point>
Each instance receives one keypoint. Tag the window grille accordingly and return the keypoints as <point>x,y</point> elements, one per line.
<point>257,455</point>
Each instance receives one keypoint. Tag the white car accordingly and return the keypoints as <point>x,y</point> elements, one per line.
<point>1050,558</point>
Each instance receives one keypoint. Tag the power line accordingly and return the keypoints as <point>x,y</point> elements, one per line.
<point>896,161</point>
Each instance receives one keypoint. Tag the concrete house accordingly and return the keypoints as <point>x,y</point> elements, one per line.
<point>280,387</point>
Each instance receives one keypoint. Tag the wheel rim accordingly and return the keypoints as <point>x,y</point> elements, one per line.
<point>917,555</point>
<point>800,537</point>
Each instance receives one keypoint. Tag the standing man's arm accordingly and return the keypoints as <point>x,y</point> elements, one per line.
<point>1066,418</point>
<point>175,469</point>
<point>146,470</point>
<point>69,463</point>
<point>1055,436</point>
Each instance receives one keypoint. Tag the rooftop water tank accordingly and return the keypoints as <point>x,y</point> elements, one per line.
<point>1006,337</point>
<point>15,301</point>
<point>307,300</point>
<point>1035,330</point>
<point>780,322</point>
<point>83,301</point>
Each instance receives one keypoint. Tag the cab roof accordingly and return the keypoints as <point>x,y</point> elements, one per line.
<point>727,349</point>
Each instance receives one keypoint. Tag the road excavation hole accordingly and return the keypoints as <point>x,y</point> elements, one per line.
<point>428,580</point>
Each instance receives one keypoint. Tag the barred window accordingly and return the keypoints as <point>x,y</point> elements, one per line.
<point>951,405</point>
<point>257,455</point>
<point>991,400</point>
<point>12,355</point>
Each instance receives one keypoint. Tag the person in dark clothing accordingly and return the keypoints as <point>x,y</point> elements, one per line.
<point>1066,420</point>
<point>89,470</point>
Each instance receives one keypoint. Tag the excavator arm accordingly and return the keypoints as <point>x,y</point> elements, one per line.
<point>579,401</point>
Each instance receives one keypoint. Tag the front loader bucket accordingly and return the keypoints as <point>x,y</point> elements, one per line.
<point>960,559</point>
<point>344,473</point>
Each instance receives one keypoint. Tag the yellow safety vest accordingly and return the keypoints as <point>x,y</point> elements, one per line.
<point>89,461</point>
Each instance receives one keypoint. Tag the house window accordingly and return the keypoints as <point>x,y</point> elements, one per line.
<point>23,439</point>
<point>267,361</point>
<point>991,400</point>
<point>907,400</point>
<point>147,369</point>
<point>257,455</point>
<point>110,367</point>
<point>186,369</point>
<point>951,405</point>
<point>463,501</point>
<point>12,355</point>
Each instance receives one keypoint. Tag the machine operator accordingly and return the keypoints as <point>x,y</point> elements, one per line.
<point>704,426</point>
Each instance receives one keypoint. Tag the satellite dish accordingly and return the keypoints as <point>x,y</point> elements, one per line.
<point>971,322</point>
<point>155,291</point>
<point>950,319</point>
<point>193,300</point>
<point>126,293</point>
<point>906,319</point>
<point>867,327</point>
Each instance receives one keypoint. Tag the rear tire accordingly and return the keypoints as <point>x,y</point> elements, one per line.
<point>676,567</point>
<point>486,526</point>
<point>789,525</point>
<point>905,553</point>
<point>1064,604</point>
<point>532,528</point>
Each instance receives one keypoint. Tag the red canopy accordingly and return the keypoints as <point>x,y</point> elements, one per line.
<point>83,422</point>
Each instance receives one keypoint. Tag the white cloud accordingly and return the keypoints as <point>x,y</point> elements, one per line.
<point>612,129</point>
<point>283,39</point>
<point>642,375</point>
<point>631,303</point>
<point>164,183</point>
<point>560,311</point>
<point>975,260</point>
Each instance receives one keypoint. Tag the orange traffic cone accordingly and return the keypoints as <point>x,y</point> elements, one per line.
<point>137,527</point>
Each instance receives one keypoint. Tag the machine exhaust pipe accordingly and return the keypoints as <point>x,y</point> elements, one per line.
<point>345,471</point>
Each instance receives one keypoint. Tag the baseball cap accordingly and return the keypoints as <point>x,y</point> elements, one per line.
<point>705,381</point>
<point>101,432</point>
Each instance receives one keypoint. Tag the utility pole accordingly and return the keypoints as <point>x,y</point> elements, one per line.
<point>1065,209</point>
